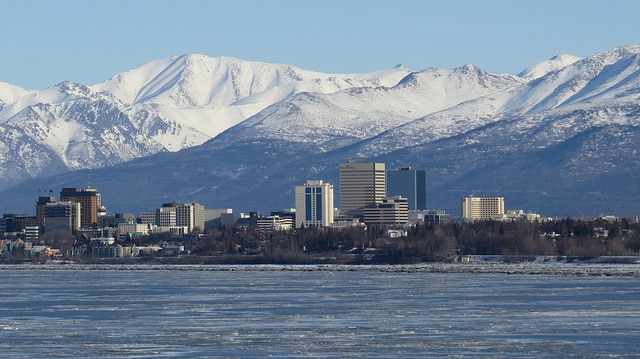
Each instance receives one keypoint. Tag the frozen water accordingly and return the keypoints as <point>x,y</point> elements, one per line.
<point>142,313</point>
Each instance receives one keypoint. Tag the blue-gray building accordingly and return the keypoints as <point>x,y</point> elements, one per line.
<point>408,183</point>
<point>437,217</point>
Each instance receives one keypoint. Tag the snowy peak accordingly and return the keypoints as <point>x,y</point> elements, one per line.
<point>607,76</point>
<point>164,105</point>
<point>10,94</point>
<point>441,89</point>
<point>171,104</point>
<point>555,63</point>
<point>467,76</point>
<point>57,94</point>
<point>199,80</point>
<point>333,120</point>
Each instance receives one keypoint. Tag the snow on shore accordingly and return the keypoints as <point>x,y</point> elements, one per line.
<point>524,268</point>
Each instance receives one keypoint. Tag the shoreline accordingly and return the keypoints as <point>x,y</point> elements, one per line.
<point>527,268</point>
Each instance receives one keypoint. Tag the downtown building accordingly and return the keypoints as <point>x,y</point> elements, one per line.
<point>62,216</point>
<point>482,208</point>
<point>361,184</point>
<point>314,204</point>
<point>186,216</point>
<point>40,206</point>
<point>90,202</point>
<point>390,210</point>
<point>410,184</point>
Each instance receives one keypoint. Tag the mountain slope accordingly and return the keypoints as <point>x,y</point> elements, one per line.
<point>563,144</point>
<point>10,94</point>
<point>555,63</point>
<point>165,105</point>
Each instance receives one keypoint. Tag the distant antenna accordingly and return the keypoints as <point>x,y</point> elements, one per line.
<point>89,181</point>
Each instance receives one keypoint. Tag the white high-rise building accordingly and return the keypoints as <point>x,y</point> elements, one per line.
<point>190,215</point>
<point>314,204</point>
<point>166,216</point>
<point>361,184</point>
<point>482,208</point>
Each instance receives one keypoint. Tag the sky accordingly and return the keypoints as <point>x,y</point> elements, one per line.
<point>43,42</point>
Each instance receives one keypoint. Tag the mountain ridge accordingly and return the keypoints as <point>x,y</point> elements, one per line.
<point>539,142</point>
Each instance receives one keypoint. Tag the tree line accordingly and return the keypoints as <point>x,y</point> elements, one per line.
<point>371,244</point>
<point>422,243</point>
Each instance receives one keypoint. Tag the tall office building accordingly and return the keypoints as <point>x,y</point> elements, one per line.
<point>410,184</point>
<point>314,204</point>
<point>166,215</point>
<point>89,199</point>
<point>361,184</point>
<point>62,216</point>
<point>40,205</point>
<point>190,215</point>
<point>482,208</point>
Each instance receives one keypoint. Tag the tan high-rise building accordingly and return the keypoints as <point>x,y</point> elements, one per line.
<point>361,184</point>
<point>89,199</point>
<point>482,208</point>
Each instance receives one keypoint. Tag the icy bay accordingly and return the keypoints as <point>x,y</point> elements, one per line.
<point>368,313</point>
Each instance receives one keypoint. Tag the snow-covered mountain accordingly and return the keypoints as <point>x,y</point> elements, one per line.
<point>562,138</point>
<point>555,63</point>
<point>10,94</point>
<point>165,105</point>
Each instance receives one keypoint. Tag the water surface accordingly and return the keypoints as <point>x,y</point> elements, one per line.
<point>368,314</point>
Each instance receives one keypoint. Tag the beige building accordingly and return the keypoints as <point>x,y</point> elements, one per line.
<point>482,208</point>
<point>391,210</point>
<point>314,204</point>
<point>189,215</point>
<point>133,228</point>
<point>361,184</point>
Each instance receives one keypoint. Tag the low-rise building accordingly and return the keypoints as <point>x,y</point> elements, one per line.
<point>346,222</point>
<point>32,233</point>
<point>520,215</point>
<point>176,230</point>
<point>133,229</point>
<point>437,217</point>
<point>391,210</point>
<point>115,251</point>
<point>103,241</point>
<point>275,223</point>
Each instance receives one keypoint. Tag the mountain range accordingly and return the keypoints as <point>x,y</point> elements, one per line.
<point>560,138</point>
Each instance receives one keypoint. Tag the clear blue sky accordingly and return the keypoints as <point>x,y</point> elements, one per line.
<point>44,42</point>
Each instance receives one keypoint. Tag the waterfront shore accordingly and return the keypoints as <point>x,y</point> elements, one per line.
<point>522,268</point>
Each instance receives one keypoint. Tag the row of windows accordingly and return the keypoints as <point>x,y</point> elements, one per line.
<point>310,204</point>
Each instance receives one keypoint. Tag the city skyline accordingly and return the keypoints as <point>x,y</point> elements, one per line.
<point>365,184</point>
